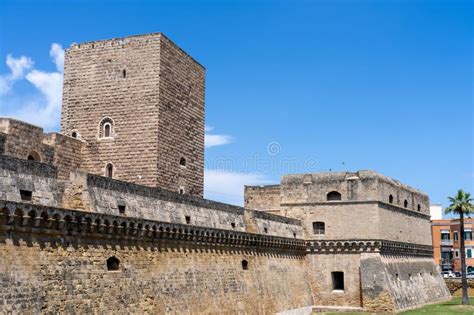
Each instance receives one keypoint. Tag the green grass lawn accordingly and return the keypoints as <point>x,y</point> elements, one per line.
<point>452,307</point>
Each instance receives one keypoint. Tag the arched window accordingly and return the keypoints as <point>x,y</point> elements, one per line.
<point>74,134</point>
<point>333,196</point>
<point>390,199</point>
<point>109,170</point>
<point>418,207</point>
<point>113,264</point>
<point>34,156</point>
<point>405,203</point>
<point>182,162</point>
<point>319,228</point>
<point>106,128</point>
<point>245,265</point>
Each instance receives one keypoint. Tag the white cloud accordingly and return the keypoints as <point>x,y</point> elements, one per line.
<point>213,140</point>
<point>228,186</point>
<point>43,109</point>
<point>18,67</point>
<point>57,53</point>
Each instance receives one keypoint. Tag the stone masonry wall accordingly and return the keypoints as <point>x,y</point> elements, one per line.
<point>38,178</point>
<point>265,198</point>
<point>95,88</point>
<point>320,268</point>
<point>22,139</point>
<point>105,195</point>
<point>181,120</point>
<point>67,153</point>
<point>60,266</point>
<point>362,220</point>
<point>153,94</point>
<point>402,282</point>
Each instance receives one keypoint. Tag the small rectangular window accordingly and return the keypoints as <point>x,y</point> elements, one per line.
<point>121,209</point>
<point>26,195</point>
<point>469,253</point>
<point>455,236</point>
<point>337,280</point>
<point>265,229</point>
<point>188,219</point>
<point>468,235</point>
<point>232,225</point>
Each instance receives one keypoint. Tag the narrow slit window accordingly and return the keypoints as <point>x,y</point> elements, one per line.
<point>405,203</point>
<point>124,73</point>
<point>109,170</point>
<point>188,219</point>
<point>390,199</point>
<point>245,265</point>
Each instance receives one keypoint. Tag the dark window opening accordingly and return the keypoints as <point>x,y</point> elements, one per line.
<point>232,225</point>
<point>182,162</point>
<point>34,156</point>
<point>107,130</point>
<point>109,170</point>
<point>181,190</point>
<point>390,199</point>
<point>265,229</point>
<point>337,280</point>
<point>188,219</point>
<point>121,209</point>
<point>26,195</point>
<point>294,234</point>
<point>245,265</point>
<point>418,208</point>
<point>396,275</point>
<point>405,203</point>
<point>124,73</point>
<point>113,264</point>
<point>333,196</point>
<point>409,276</point>
<point>319,228</point>
<point>74,134</point>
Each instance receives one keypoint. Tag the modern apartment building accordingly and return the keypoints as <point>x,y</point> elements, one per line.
<point>446,243</point>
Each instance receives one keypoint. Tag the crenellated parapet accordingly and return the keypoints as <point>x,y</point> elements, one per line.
<point>24,217</point>
<point>384,247</point>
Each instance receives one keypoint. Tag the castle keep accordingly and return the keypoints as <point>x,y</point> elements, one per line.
<point>107,216</point>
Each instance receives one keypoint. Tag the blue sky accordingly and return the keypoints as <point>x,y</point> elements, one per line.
<point>292,86</point>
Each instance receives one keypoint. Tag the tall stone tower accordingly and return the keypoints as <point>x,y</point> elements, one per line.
<point>138,104</point>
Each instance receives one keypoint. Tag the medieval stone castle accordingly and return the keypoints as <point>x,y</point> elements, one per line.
<point>108,216</point>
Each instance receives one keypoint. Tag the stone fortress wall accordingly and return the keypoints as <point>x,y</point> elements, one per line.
<point>98,194</point>
<point>151,93</point>
<point>78,236</point>
<point>377,199</point>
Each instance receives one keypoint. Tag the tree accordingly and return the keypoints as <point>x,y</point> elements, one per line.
<point>461,204</point>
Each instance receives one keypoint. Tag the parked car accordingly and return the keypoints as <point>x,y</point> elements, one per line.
<point>457,274</point>
<point>449,274</point>
<point>470,275</point>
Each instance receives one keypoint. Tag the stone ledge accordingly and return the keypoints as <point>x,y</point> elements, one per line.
<point>27,167</point>
<point>381,204</point>
<point>166,195</point>
<point>384,247</point>
<point>30,218</point>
